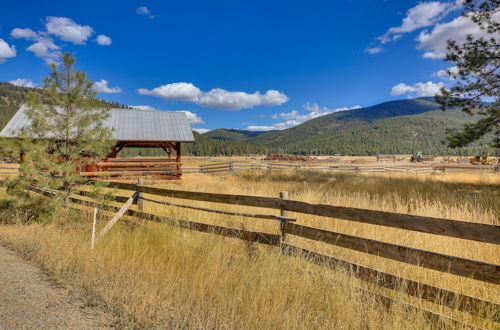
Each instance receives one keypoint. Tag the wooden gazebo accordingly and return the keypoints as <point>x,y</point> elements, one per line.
<point>132,128</point>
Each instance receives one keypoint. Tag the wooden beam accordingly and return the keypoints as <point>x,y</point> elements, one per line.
<point>206,209</point>
<point>178,158</point>
<point>134,164</point>
<point>451,228</point>
<point>173,171</point>
<point>412,288</point>
<point>118,215</point>
<point>477,270</point>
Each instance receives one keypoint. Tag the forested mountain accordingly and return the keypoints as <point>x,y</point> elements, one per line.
<point>232,134</point>
<point>397,135</point>
<point>344,120</point>
<point>403,126</point>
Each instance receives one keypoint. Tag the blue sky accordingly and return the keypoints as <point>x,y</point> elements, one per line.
<point>238,64</point>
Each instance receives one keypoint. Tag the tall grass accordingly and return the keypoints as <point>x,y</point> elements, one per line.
<point>156,276</point>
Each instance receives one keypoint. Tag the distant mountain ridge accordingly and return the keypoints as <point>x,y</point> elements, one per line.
<point>401,126</point>
<point>232,134</point>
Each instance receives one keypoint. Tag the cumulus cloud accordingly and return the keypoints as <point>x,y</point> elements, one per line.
<point>66,29</point>
<point>294,117</point>
<point>448,74</point>
<point>422,15</point>
<point>201,130</point>
<point>193,117</point>
<point>103,40</point>
<point>46,50</point>
<point>22,82</point>
<point>143,10</point>
<point>6,51</point>
<point>434,43</point>
<point>417,90</point>
<point>374,50</point>
<point>23,33</point>
<point>44,46</point>
<point>102,87</point>
<point>216,98</point>
<point>143,107</point>
<point>186,92</point>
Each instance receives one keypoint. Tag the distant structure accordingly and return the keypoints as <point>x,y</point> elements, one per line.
<point>132,128</point>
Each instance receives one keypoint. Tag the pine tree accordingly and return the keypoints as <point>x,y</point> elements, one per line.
<point>67,129</point>
<point>477,72</point>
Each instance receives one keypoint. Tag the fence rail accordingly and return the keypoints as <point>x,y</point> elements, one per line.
<point>444,227</point>
<point>231,166</point>
<point>478,270</point>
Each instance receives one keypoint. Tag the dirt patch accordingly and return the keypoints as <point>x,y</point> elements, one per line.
<point>29,301</point>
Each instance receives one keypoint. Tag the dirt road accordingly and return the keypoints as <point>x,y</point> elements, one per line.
<point>29,301</point>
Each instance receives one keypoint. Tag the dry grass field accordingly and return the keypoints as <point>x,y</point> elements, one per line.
<point>156,276</point>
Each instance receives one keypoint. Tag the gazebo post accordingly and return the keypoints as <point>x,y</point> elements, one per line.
<point>178,159</point>
<point>169,150</point>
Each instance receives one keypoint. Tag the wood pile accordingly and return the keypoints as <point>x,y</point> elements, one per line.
<point>287,157</point>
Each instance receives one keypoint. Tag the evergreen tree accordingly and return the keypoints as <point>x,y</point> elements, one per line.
<point>477,72</point>
<point>66,129</point>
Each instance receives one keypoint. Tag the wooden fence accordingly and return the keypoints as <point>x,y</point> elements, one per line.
<point>232,166</point>
<point>152,169</point>
<point>9,170</point>
<point>463,267</point>
<point>216,167</point>
<point>129,169</point>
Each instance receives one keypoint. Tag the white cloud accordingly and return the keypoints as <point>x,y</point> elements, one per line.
<point>448,74</point>
<point>201,130</point>
<point>434,43</point>
<point>294,118</point>
<point>193,117</point>
<point>221,99</point>
<point>260,128</point>
<point>216,98</point>
<point>44,47</point>
<point>6,51</point>
<point>102,87</point>
<point>23,33</point>
<point>422,15</point>
<point>143,10</point>
<point>103,40</point>
<point>417,90</point>
<point>66,29</point>
<point>186,92</point>
<point>22,82</point>
<point>143,107</point>
<point>374,50</point>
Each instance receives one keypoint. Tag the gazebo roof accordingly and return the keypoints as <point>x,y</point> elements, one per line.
<point>128,125</point>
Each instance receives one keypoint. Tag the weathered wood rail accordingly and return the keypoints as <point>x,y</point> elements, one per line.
<point>232,166</point>
<point>473,269</point>
<point>152,168</point>
<point>216,167</point>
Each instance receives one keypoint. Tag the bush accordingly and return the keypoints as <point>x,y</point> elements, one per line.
<point>21,210</point>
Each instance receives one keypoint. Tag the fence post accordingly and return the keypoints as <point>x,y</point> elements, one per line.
<point>140,206</point>
<point>93,228</point>
<point>283,213</point>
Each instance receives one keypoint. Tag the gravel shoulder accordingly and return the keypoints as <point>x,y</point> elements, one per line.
<point>28,300</point>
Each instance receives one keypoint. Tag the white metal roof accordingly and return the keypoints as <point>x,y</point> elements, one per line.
<point>128,125</point>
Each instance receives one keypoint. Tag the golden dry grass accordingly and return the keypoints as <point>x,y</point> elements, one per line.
<point>152,275</point>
